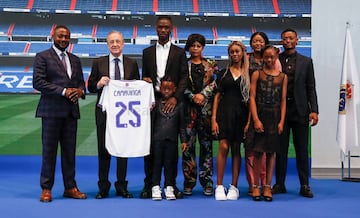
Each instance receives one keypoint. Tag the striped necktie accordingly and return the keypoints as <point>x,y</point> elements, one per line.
<point>117,69</point>
<point>63,60</point>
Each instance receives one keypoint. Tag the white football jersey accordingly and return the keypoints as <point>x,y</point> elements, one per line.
<point>128,124</point>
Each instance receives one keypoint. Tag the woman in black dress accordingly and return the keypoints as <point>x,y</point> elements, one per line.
<point>230,115</point>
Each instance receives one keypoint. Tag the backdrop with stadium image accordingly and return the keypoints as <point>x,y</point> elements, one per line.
<point>25,29</point>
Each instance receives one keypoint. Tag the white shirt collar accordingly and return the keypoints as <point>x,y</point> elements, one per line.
<point>112,57</point>
<point>58,51</point>
<point>166,46</point>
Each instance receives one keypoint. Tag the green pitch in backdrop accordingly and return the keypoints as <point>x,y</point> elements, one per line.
<point>20,131</point>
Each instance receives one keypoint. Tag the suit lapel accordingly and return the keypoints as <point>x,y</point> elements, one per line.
<point>298,69</point>
<point>126,68</point>
<point>153,61</point>
<point>105,66</point>
<point>168,62</point>
<point>72,65</point>
<point>58,61</point>
<point>56,57</point>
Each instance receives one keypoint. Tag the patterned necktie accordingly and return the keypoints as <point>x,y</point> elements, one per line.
<point>63,60</point>
<point>117,69</point>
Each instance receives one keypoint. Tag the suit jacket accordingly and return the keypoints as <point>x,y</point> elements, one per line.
<point>304,85</point>
<point>100,68</point>
<point>50,78</point>
<point>176,67</point>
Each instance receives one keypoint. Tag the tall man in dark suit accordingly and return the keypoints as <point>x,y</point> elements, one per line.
<point>104,69</point>
<point>301,110</point>
<point>58,76</point>
<point>163,58</point>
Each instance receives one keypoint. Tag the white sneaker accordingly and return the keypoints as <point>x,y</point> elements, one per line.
<point>220,193</point>
<point>156,193</point>
<point>233,193</point>
<point>169,193</point>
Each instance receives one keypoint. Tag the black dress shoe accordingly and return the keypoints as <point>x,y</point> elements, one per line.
<point>306,191</point>
<point>178,193</point>
<point>101,195</point>
<point>145,193</point>
<point>278,189</point>
<point>124,193</point>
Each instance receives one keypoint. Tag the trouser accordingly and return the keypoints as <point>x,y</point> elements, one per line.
<point>300,132</point>
<point>104,159</point>
<point>198,128</point>
<point>55,130</point>
<point>164,154</point>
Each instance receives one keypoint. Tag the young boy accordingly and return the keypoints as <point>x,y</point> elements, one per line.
<point>165,131</point>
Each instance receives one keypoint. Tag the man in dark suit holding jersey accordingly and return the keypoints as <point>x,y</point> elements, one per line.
<point>58,76</point>
<point>163,58</point>
<point>301,110</point>
<point>114,66</point>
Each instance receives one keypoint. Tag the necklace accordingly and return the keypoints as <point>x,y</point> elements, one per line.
<point>271,72</point>
<point>236,72</point>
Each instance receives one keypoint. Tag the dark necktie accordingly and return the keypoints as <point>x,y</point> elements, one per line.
<point>117,69</point>
<point>63,60</point>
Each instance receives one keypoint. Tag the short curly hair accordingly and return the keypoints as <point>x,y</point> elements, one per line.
<point>192,38</point>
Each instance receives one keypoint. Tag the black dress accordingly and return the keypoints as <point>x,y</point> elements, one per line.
<point>232,113</point>
<point>268,100</point>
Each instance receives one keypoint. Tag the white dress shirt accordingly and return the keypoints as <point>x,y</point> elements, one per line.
<point>162,54</point>
<point>67,60</point>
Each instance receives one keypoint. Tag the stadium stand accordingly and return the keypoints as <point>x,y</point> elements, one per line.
<point>93,5</point>
<point>12,48</point>
<point>126,30</point>
<point>185,6</point>
<point>201,7</point>
<point>31,30</point>
<point>184,31</point>
<point>39,46</point>
<point>26,25</point>
<point>295,7</point>
<point>220,6</point>
<point>13,4</point>
<point>256,7</point>
<point>135,5</point>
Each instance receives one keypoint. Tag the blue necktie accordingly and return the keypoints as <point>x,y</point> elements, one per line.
<point>117,69</point>
<point>63,60</point>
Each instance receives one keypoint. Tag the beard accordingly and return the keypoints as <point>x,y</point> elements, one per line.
<point>61,48</point>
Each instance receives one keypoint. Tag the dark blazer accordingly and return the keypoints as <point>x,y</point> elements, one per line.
<point>176,67</point>
<point>304,85</point>
<point>100,68</point>
<point>50,78</point>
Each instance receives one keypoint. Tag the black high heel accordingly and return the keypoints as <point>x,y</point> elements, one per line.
<point>256,195</point>
<point>267,193</point>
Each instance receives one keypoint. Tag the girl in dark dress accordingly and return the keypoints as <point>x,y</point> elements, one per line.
<point>267,105</point>
<point>258,41</point>
<point>230,115</point>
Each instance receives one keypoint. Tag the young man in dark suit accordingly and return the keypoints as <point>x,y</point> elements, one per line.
<point>301,110</point>
<point>58,76</point>
<point>163,58</point>
<point>104,69</point>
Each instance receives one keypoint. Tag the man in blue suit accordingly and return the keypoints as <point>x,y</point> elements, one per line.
<point>58,76</point>
<point>301,111</point>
